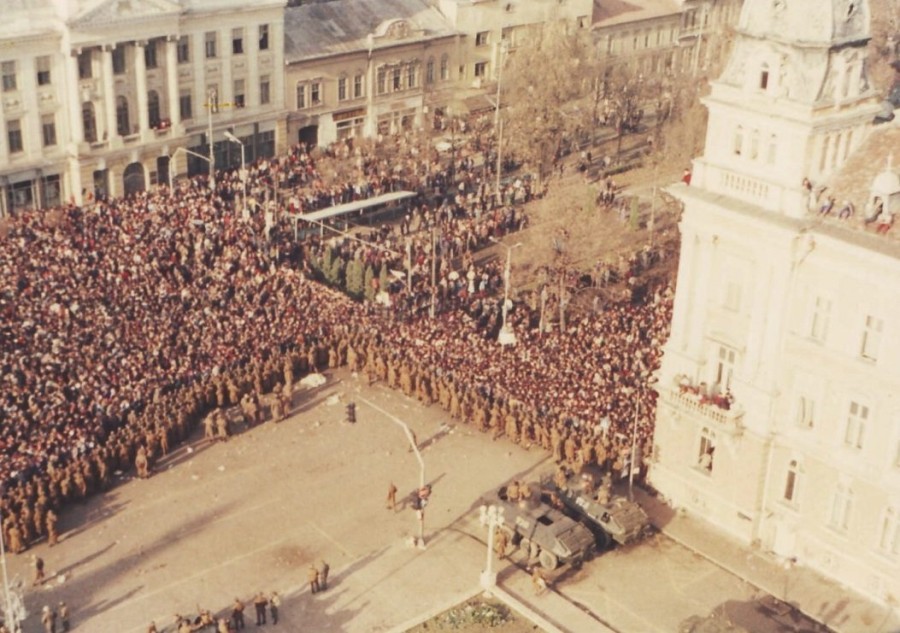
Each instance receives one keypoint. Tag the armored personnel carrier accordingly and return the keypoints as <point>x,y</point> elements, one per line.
<point>609,517</point>
<point>543,532</point>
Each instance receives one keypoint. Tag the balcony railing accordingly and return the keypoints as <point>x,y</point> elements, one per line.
<point>729,420</point>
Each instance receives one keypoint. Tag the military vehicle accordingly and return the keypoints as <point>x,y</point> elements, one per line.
<point>609,517</point>
<point>542,531</point>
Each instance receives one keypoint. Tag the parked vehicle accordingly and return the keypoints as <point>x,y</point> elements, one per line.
<point>609,517</point>
<point>544,532</point>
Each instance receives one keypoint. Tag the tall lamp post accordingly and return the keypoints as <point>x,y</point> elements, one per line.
<point>415,448</point>
<point>498,122</point>
<point>231,137</point>
<point>490,516</point>
<point>172,160</point>
<point>507,335</point>
<point>212,101</point>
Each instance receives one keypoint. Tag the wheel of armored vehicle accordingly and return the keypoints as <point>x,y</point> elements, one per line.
<point>548,560</point>
<point>602,539</point>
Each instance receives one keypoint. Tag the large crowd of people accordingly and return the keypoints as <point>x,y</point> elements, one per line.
<point>126,321</point>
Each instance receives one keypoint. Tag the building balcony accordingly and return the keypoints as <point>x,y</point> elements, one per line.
<point>720,411</point>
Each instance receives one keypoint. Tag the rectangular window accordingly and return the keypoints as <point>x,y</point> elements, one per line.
<point>806,412</point>
<point>210,44</point>
<point>855,431</point>
<point>9,76</point>
<point>411,76</point>
<point>264,96</point>
<point>482,38</point>
<point>342,89</point>
<point>381,81</point>
<point>118,60</point>
<point>184,106</point>
<point>301,96</point>
<point>85,67</point>
<point>841,505</point>
<point>791,481</point>
<point>263,37</point>
<point>237,41</point>
<point>429,72</point>
<point>445,69</point>
<point>14,136</point>
<point>396,79</point>
<point>43,70</point>
<point>871,338</point>
<point>707,450</point>
<point>239,96</point>
<point>184,49</point>
<point>315,93</point>
<point>725,367</point>
<point>889,539</point>
<point>48,130</point>
<point>821,316</point>
<point>480,69</point>
<point>150,55</point>
<point>358,87</point>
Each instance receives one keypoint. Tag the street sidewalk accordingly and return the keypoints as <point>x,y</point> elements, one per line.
<point>819,598</point>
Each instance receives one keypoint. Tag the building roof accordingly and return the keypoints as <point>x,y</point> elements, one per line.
<point>614,12</point>
<point>324,29</point>
<point>854,181</point>
<point>809,21</point>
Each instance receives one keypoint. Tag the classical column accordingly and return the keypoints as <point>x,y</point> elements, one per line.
<point>140,74</point>
<point>109,94</point>
<point>76,132</point>
<point>172,80</point>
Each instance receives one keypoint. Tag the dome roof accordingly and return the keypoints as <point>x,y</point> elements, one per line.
<point>808,21</point>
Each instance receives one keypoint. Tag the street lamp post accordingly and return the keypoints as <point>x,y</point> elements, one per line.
<point>186,151</point>
<point>231,137</point>
<point>498,122</point>
<point>507,335</point>
<point>490,516</point>
<point>211,100</point>
<point>420,514</point>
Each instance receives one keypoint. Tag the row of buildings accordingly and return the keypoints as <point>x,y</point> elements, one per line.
<point>114,96</point>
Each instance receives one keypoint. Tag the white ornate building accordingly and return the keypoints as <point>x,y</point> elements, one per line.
<point>97,95</point>
<point>779,409</point>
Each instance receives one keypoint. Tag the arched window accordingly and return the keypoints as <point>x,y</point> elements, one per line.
<point>754,145</point>
<point>89,122</point>
<point>445,68</point>
<point>772,151</point>
<point>738,140</point>
<point>889,539</point>
<point>122,123</point>
<point>792,482</point>
<point>429,71</point>
<point>153,108</point>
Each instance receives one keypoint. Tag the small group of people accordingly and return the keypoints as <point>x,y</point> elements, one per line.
<point>206,620</point>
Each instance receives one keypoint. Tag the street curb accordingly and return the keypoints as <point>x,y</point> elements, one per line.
<point>416,621</point>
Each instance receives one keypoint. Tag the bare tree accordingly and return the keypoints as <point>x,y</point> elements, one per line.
<point>541,84</point>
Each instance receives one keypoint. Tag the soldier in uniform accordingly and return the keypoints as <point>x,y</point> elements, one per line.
<point>14,538</point>
<point>501,541</point>
<point>312,575</point>
<point>38,564</point>
<point>222,427</point>
<point>322,568</point>
<point>392,497</point>
<point>259,603</point>
<point>237,614</point>
<point>142,463</point>
<point>52,534</point>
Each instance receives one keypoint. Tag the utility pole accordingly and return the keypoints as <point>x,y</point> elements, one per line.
<point>211,101</point>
